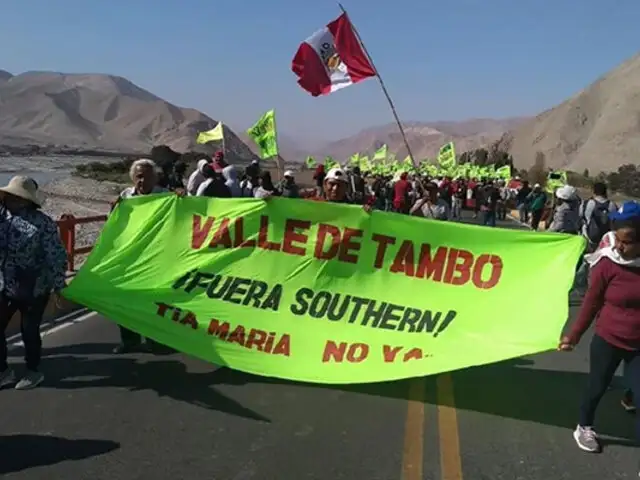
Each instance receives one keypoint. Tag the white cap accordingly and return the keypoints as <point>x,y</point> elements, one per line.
<point>537,185</point>
<point>566,192</point>
<point>336,174</point>
<point>288,173</point>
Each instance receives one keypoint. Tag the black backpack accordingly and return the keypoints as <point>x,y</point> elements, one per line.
<point>599,223</point>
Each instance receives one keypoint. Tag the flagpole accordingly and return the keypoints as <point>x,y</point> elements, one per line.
<point>384,88</point>
<point>279,168</point>
<point>224,148</point>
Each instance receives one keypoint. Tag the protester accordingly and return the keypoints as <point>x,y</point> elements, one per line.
<point>401,190</point>
<point>613,297</point>
<point>335,187</point>
<point>505,197</point>
<point>489,198</point>
<point>196,178</point>
<point>357,191</point>
<point>288,187</point>
<point>218,162</point>
<point>594,213</point>
<point>431,205</point>
<point>144,175</point>
<point>230,175</point>
<point>536,202</point>
<point>459,197</point>
<point>565,217</point>
<point>214,185</point>
<point>266,187</point>
<point>521,201</point>
<point>34,264</point>
<point>253,170</point>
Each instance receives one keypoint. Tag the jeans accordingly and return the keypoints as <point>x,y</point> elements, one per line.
<point>604,360</point>
<point>456,208</point>
<point>489,218</point>
<point>31,313</point>
<point>524,213</point>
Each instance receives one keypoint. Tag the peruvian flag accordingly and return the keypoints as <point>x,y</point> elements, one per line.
<point>331,59</point>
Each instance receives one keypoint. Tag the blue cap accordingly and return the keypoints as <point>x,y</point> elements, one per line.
<point>627,211</point>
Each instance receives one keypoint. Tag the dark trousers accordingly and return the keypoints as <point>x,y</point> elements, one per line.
<point>129,337</point>
<point>489,218</point>
<point>31,313</point>
<point>536,216</point>
<point>604,360</point>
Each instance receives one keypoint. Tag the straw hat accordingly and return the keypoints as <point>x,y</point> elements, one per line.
<point>25,188</point>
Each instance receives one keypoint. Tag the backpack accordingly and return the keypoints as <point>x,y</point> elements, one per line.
<point>599,223</point>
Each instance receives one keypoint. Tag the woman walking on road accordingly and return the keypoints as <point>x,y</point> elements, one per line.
<point>614,297</point>
<point>33,268</point>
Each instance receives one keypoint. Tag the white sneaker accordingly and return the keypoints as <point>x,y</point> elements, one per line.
<point>586,439</point>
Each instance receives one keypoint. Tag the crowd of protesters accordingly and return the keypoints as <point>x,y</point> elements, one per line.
<point>33,258</point>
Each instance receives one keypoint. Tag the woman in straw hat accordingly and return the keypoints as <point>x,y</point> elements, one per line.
<point>33,265</point>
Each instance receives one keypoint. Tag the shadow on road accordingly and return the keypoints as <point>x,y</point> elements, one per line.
<point>168,378</point>
<point>20,452</point>
<point>509,389</point>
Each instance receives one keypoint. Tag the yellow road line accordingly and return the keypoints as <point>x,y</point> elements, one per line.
<point>450,462</point>
<point>412,453</point>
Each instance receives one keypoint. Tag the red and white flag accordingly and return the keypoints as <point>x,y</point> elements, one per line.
<point>331,59</point>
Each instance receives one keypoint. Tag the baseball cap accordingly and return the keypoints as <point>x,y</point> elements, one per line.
<point>627,211</point>
<point>288,173</point>
<point>336,174</point>
<point>566,192</point>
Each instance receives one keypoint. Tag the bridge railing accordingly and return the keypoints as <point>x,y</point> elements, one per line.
<point>67,229</point>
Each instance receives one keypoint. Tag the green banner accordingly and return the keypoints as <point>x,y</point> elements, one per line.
<point>326,293</point>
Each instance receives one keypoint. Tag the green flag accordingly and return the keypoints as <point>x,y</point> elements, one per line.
<point>264,134</point>
<point>447,155</point>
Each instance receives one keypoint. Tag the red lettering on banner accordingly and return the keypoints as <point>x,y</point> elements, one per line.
<point>253,339</point>
<point>355,352</point>
<point>405,260</point>
<point>291,236</point>
<point>325,230</point>
<point>239,240</point>
<point>462,269</point>
<point>383,242</point>
<point>390,353</point>
<point>333,351</point>
<point>413,354</point>
<point>431,266</point>
<point>200,232</point>
<point>349,248</point>
<point>263,236</point>
<point>496,271</point>
<point>256,338</point>
<point>222,236</point>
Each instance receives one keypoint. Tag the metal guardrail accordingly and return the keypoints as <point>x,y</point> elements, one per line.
<point>67,230</point>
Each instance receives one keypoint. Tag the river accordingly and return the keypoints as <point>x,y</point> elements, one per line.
<point>42,169</point>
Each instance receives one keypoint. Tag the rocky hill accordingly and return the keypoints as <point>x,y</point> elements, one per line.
<point>596,129</point>
<point>98,112</point>
<point>425,138</point>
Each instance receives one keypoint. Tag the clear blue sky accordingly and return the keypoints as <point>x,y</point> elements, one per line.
<point>441,60</point>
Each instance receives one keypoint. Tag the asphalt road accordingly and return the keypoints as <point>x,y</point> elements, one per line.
<point>101,416</point>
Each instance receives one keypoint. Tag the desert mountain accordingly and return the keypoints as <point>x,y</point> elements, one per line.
<point>98,112</point>
<point>425,138</point>
<point>596,129</point>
